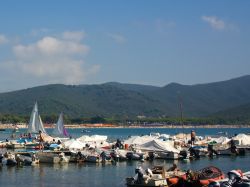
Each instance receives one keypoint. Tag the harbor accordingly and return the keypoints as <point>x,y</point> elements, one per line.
<point>85,173</point>
<point>106,152</point>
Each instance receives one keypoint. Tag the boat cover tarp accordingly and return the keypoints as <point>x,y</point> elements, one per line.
<point>139,140</point>
<point>160,146</point>
<point>221,140</point>
<point>243,139</point>
<point>74,144</point>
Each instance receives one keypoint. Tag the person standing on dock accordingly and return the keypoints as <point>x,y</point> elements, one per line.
<point>193,136</point>
<point>40,140</point>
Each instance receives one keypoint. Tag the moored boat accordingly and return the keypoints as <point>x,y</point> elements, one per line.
<point>146,179</point>
<point>51,157</point>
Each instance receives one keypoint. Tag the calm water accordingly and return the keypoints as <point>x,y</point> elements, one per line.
<point>113,175</point>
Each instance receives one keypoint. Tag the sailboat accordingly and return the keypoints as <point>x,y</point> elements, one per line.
<point>35,123</point>
<point>60,130</point>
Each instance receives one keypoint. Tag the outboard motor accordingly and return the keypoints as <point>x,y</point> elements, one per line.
<point>184,154</point>
<point>139,172</point>
<point>214,184</point>
<point>103,156</point>
<point>234,180</point>
<point>234,176</point>
<point>194,152</point>
<point>151,155</point>
<point>1,157</point>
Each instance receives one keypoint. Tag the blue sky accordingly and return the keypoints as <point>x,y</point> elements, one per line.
<point>144,42</point>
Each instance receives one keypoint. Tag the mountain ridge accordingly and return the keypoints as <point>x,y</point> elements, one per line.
<point>125,100</point>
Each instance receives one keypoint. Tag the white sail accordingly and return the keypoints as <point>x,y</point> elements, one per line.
<point>59,129</point>
<point>35,123</point>
<point>40,126</point>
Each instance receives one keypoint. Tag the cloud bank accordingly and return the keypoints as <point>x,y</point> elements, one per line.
<point>52,59</point>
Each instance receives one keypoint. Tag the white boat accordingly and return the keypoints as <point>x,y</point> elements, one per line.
<point>146,179</point>
<point>50,157</point>
<point>119,154</point>
<point>162,149</point>
<point>35,124</point>
<point>13,144</point>
<point>8,159</point>
<point>235,179</point>
<point>93,158</point>
<point>168,155</point>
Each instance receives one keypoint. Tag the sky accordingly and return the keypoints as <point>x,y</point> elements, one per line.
<point>153,42</point>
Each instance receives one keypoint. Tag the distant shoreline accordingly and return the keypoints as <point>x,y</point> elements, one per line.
<point>77,126</point>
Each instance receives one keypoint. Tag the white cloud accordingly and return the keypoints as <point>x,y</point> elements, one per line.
<point>3,39</point>
<point>74,35</point>
<point>50,46</point>
<point>60,70</point>
<point>214,22</point>
<point>117,38</point>
<point>51,60</point>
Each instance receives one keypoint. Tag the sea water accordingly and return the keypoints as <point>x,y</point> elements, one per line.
<point>111,174</point>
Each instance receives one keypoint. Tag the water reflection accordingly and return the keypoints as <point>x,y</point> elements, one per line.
<point>61,166</point>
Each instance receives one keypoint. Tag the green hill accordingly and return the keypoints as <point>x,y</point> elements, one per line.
<point>129,100</point>
<point>236,114</point>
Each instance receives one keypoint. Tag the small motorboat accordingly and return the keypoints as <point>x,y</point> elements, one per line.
<point>146,179</point>
<point>52,157</point>
<point>134,155</point>
<point>235,179</point>
<point>119,154</point>
<point>197,178</point>
<point>23,160</point>
<point>8,159</point>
